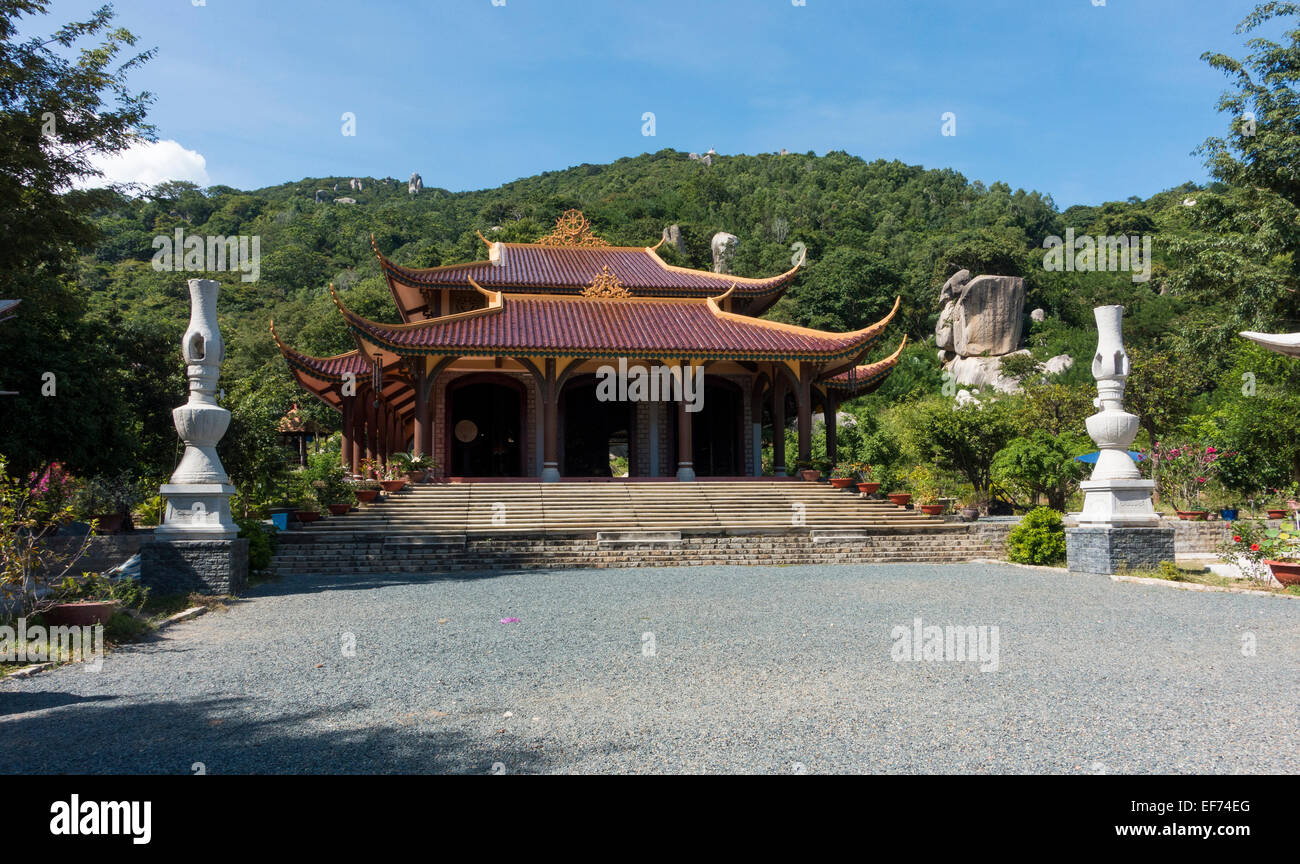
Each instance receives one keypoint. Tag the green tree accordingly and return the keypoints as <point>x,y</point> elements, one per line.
<point>56,113</point>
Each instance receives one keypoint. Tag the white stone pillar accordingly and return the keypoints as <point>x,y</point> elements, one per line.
<point>198,496</point>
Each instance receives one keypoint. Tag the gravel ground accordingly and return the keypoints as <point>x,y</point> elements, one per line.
<point>764,669</point>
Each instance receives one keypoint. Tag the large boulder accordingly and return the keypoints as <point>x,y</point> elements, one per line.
<point>673,237</point>
<point>724,249</point>
<point>981,317</point>
<point>983,373</point>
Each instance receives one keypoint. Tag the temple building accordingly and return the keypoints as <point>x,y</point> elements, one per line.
<point>544,358</point>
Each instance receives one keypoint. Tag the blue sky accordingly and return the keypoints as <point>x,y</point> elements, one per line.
<point>1087,103</point>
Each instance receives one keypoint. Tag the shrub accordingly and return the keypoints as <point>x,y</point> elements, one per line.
<point>261,542</point>
<point>1038,539</point>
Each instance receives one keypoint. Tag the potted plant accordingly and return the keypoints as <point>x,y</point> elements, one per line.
<point>1185,473</point>
<point>392,478</point>
<point>1257,548</point>
<point>868,486</point>
<point>844,475</point>
<point>1219,499</point>
<point>308,508</point>
<point>106,501</point>
<point>92,599</point>
<point>416,468</point>
<point>807,471</point>
<point>925,485</point>
<point>1277,503</point>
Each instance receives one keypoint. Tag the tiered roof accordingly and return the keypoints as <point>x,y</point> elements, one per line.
<point>573,295</point>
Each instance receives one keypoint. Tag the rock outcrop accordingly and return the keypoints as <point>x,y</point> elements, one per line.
<point>724,249</point>
<point>981,317</point>
<point>415,184</point>
<point>982,321</point>
<point>672,236</point>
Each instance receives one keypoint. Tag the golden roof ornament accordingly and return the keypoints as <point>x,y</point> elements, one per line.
<point>606,286</point>
<point>572,229</point>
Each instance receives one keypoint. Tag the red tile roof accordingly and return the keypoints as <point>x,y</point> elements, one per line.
<point>864,379</point>
<point>549,325</point>
<point>532,267</point>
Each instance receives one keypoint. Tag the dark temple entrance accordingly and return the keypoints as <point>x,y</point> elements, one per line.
<point>592,429</point>
<point>716,431</point>
<point>484,429</point>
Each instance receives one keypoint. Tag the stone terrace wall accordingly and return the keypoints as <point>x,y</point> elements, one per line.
<point>377,554</point>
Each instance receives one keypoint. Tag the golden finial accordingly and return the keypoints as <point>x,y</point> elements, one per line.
<point>606,286</point>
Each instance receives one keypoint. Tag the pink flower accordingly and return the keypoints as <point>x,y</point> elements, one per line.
<point>1201,479</point>
<point>1210,450</point>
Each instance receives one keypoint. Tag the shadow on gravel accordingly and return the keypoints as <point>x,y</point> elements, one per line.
<point>171,737</point>
<point>316,583</point>
<point>22,703</point>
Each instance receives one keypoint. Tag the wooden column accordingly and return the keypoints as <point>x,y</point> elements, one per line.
<point>831,407</point>
<point>345,451</point>
<point>778,421</point>
<point>803,398</point>
<point>358,434</point>
<point>685,447</point>
<point>550,424</point>
<point>423,446</point>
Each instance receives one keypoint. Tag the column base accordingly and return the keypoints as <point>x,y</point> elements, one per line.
<point>685,472</point>
<point>170,567</point>
<point>550,473</point>
<point>1109,549</point>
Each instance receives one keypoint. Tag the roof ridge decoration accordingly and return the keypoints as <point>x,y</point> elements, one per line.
<point>606,286</point>
<point>572,229</point>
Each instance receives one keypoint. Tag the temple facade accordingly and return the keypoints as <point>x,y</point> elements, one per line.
<point>544,358</point>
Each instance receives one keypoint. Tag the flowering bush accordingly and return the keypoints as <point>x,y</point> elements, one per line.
<point>31,571</point>
<point>1252,543</point>
<point>1182,473</point>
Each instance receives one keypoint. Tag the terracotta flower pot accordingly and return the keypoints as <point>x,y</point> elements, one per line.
<point>900,499</point>
<point>810,475</point>
<point>339,509</point>
<point>1278,514</point>
<point>307,516</point>
<point>392,485</point>
<point>86,613</point>
<point>1193,515</point>
<point>108,523</point>
<point>932,509</point>
<point>417,476</point>
<point>367,496</point>
<point>841,482</point>
<point>868,488</point>
<point>1286,572</point>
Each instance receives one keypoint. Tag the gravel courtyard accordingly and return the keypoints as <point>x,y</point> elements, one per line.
<point>765,669</point>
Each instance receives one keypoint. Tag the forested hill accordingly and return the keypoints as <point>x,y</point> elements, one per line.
<point>873,230</point>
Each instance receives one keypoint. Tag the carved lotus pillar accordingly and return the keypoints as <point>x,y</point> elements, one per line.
<point>198,496</point>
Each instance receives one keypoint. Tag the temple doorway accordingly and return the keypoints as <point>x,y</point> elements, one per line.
<point>717,429</point>
<point>597,438</point>
<point>485,423</point>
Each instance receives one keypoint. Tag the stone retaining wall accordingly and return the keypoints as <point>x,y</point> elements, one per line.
<point>377,554</point>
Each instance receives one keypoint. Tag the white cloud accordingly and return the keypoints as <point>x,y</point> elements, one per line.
<point>149,163</point>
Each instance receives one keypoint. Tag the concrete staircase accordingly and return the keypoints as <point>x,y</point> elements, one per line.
<point>485,526</point>
<point>505,509</point>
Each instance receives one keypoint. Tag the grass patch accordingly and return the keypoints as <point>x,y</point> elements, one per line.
<point>1171,572</point>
